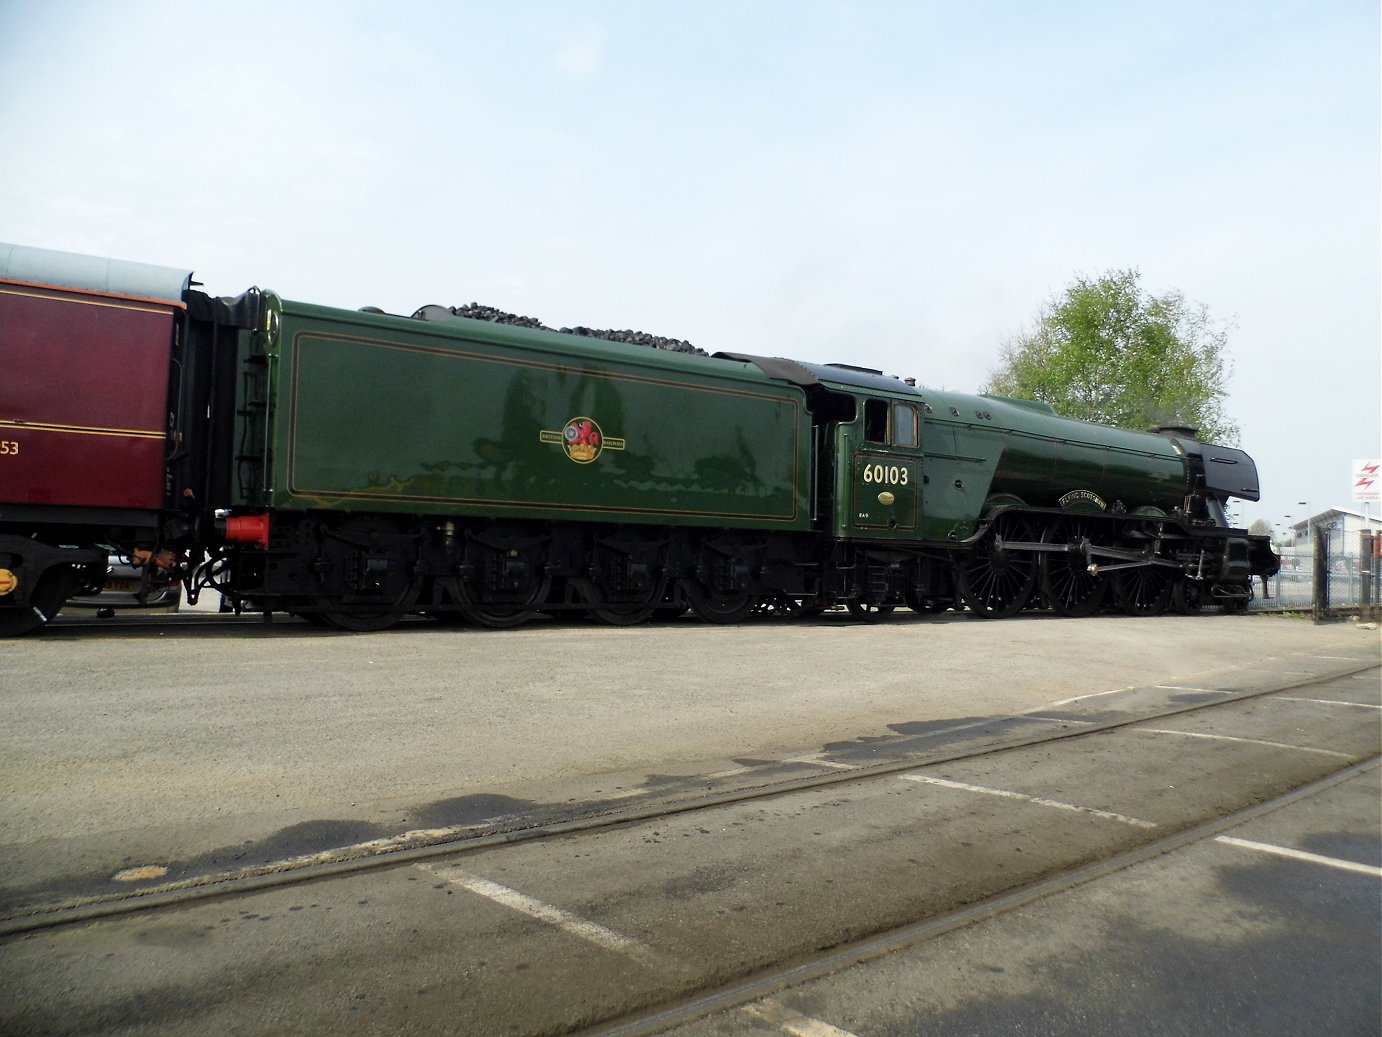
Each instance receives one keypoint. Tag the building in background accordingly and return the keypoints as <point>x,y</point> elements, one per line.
<point>1338,531</point>
<point>1337,528</point>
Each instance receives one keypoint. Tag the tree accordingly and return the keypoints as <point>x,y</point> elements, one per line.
<point>1109,352</point>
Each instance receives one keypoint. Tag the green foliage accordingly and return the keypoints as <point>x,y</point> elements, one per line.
<point>1109,352</point>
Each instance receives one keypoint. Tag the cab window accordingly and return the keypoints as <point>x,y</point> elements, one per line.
<point>889,422</point>
<point>904,425</point>
<point>876,421</point>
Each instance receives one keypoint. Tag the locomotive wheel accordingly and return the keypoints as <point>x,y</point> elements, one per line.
<point>625,583</point>
<point>868,611</point>
<point>994,581</point>
<point>53,590</point>
<point>360,622</point>
<point>1186,598</point>
<point>333,612</point>
<point>622,608</point>
<point>511,610</point>
<point>1145,591</point>
<point>717,607</point>
<point>307,613</point>
<point>1065,580</point>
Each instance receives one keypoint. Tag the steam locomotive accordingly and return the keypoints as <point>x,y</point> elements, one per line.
<point>357,467</point>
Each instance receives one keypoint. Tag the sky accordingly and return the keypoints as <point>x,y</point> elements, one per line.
<point>902,186</point>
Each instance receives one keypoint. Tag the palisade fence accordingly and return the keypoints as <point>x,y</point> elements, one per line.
<point>1347,578</point>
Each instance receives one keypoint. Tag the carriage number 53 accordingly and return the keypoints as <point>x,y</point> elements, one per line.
<point>8,448</point>
<point>889,475</point>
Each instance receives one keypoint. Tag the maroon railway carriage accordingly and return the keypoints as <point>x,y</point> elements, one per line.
<point>86,359</point>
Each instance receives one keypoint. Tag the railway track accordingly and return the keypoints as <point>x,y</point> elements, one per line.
<point>755,995</point>
<point>914,845</point>
<point>769,780</point>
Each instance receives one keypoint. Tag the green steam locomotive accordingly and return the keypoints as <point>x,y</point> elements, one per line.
<point>357,467</point>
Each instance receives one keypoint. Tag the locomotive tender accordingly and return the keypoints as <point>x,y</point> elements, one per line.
<point>353,467</point>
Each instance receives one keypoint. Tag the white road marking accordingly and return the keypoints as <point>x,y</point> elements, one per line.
<point>1327,702</point>
<point>1247,741</point>
<point>961,727</point>
<point>776,1014</point>
<point>1058,720</point>
<point>553,916</point>
<point>1077,698</point>
<point>788,1021</point>
<point>613,794</point>
<point>1301,855</point>
<point>768,1011</point>
<point>733,772</point>
<point>1107,815</point>
<point>818,762</point>
<point>1202,691</point>
<point>1337,658</point>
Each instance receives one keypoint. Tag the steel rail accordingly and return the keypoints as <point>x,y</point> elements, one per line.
<point>274,876</point>
<point>869,948</point>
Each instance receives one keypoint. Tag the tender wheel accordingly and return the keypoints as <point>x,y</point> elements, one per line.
<point>1065,580</point>
<point>332,612</point>
<point>503,580</point>
<point>868,612</point>
<point>360,622</point>
<point>620,608</point>
<point>308,613</point>
<point>507,609</point>
<point>1144,591</point>
<point>995,581</point>
<point>54,588</point>
<point>717,607</point>
<point>368,583</point>
<point>625,584</point>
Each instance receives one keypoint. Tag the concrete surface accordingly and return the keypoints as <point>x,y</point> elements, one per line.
<point>123,746</point>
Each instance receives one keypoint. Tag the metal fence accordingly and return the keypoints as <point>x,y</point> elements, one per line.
<point>1346,583</point>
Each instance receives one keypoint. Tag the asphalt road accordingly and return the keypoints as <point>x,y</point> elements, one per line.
<point>124,747</point>
<point>175,747</point>
<point>1273,928</point>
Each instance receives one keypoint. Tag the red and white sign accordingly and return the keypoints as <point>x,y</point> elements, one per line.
<point>1367,480</point>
